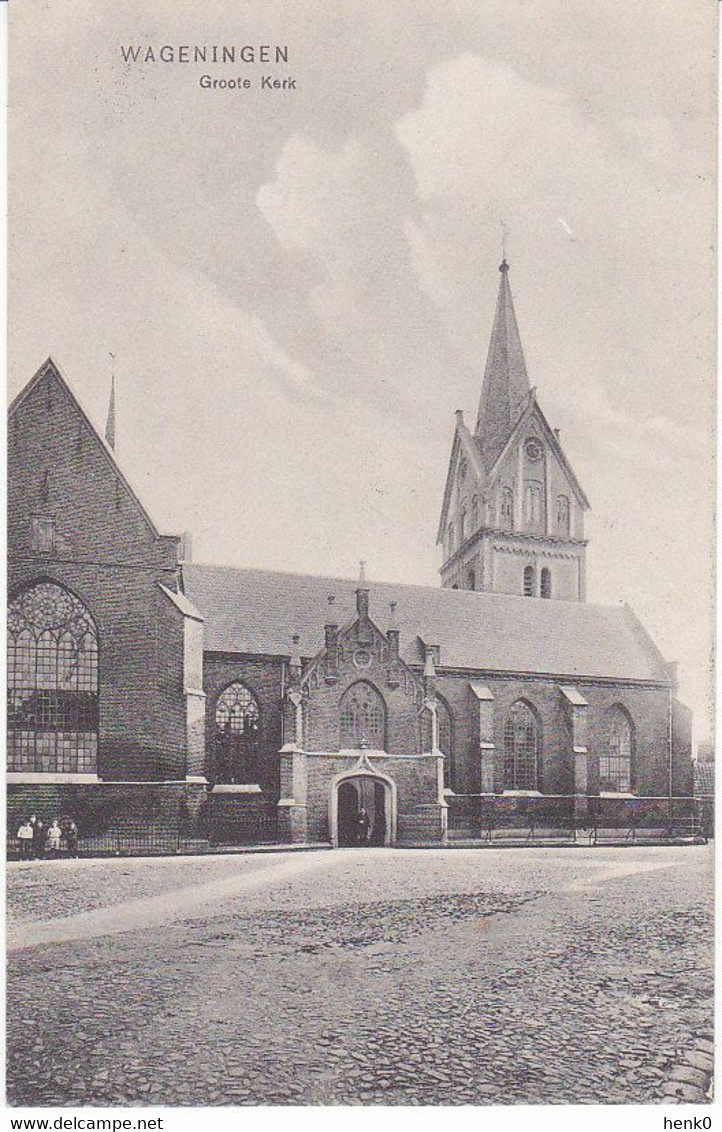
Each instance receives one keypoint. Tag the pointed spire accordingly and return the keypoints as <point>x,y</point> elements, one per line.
<point>110,423</point>
<point>506,384</point>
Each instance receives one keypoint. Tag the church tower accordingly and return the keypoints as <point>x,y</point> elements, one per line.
<point>512,519</point>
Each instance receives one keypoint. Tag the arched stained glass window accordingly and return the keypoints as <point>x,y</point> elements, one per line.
<point>363,718</point>
<point>52,683</point>
<point>450,539</point>
<point>615,760</point>
<point>521,748</point>
<point>563,514</point>
<point>237,735</point>
<point>546,582</point>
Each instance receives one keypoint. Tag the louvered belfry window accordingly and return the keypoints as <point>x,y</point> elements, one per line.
<point>506,508</point>
<point>52,683</point>
<point>521,748</point>
<point>363,718</point>
<point>529,580</point>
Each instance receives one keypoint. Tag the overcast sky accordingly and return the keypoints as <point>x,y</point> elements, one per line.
<point>299,285</point>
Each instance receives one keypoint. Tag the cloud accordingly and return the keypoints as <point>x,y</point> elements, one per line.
<point>321,204</point>
<point>343,211</point>
<point>259,337</point>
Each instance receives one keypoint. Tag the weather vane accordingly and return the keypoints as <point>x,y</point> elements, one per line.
<point>504,235</point>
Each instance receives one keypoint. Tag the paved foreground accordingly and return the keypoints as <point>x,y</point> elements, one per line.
<point>362,977</point>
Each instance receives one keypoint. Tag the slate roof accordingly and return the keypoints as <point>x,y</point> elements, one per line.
<point>506,384</point>
<point>258,611</point>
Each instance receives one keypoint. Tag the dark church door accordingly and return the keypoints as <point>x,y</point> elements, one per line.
<point>357,796</point>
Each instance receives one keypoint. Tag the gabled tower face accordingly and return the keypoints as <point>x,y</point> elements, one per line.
<point>512,519</point>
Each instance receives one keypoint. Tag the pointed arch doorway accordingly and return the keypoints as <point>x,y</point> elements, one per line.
<point>354,792</point>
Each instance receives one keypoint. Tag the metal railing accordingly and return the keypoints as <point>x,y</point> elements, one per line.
<point>150,840</point>
<point>586,818</point>
<point>252,828</point>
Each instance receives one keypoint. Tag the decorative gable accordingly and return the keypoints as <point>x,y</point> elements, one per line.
<point>64,478</point>
<point>357,692</point>
<point>465,483</point>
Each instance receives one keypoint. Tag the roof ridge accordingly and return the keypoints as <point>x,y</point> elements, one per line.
<point>50,366</point>
<point>455,594</point>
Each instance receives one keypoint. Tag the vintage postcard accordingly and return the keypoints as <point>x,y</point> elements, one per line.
<point>360,737</point>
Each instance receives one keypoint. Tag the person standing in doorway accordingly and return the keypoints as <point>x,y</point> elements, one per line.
<point>363,826</point>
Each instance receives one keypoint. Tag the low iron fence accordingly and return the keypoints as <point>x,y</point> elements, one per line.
<point>577,817</point>
<point>150,840</point>
<point>252,828</point>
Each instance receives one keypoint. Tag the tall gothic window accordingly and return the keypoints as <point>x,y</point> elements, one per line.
<point>522,743</point>
<point>506,508</point>
<point>363,718</point>
<point>450,539</point>
<point>52,683</point>
<point>529,581</point>
<point>462,527</point>
<point>545,588</point>
<point>237,735</point>
<point>563,515</point>
<point>615,760</point>
<point>474,512</point>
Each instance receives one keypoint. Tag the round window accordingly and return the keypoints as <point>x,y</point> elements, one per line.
<point>533,448</point>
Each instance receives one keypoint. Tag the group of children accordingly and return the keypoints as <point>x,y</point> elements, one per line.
<point>35,840</point>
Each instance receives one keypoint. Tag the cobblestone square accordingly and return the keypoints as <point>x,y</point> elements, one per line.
<point>362,977</point>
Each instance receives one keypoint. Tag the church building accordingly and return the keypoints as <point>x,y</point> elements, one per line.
<point>234,704</point>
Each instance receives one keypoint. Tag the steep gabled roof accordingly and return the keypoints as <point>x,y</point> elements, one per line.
<point>51,368</point>
<point>464,441</point>
<point>506,383</point>
<point>533,410</point>
<point>258,611</point>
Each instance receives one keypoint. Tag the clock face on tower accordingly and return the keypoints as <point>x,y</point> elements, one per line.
<point>533,448</point>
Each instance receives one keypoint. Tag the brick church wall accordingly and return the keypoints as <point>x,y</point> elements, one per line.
<point>648,708</point>
<point>263,677</point>
<point>106,552</point>
<point>415,780</point>
<point>99,807</point>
